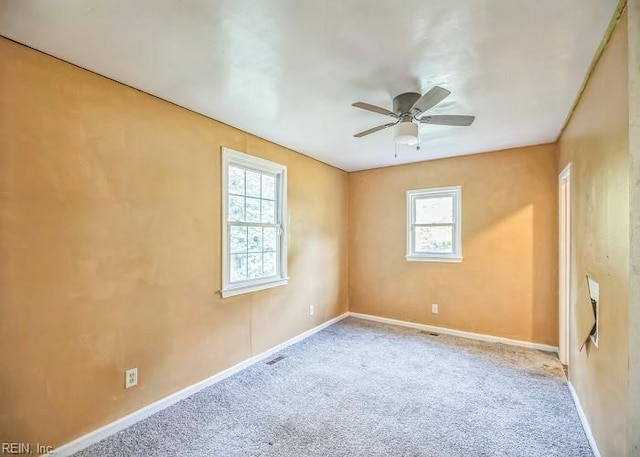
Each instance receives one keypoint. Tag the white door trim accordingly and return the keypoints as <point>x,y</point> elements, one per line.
<point>564,264</point>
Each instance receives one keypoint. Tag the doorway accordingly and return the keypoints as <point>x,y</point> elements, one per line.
<point>564,251</point>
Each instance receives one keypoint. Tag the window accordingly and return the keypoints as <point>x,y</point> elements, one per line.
<point>254,247</point>
<point>434,225</point>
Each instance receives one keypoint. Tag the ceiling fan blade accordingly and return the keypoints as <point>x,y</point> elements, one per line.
<point>430,99</point>
<point>374,108</point>
<point>448,119</point>
<point>374,129</point>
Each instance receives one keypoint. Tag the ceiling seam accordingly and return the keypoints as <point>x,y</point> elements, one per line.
<point>596,58</point>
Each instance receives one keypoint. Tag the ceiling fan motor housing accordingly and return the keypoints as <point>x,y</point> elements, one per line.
<point>403,103</point>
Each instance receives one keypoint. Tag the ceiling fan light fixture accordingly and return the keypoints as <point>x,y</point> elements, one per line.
<point>406,133</point>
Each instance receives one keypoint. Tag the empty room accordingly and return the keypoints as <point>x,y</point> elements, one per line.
<point>320,228</point>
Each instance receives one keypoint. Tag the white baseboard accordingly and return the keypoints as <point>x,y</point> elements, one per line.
<point>583,419</point>
<point>126,421</point>
<point>460,333</point>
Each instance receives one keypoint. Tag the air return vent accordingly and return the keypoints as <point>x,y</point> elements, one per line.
<point>276,360</point>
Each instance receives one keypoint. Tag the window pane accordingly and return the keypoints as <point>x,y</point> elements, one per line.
<point>270,238</point>
<point>236,208</point>
<point>268,212</point>
<point>253,210</point>
<point>434,210</point>
<point>253,184</point>
<point>236,180</point>
<point>269,264</point>
<point>255,239</point>
<point>238,270</point>
<point>434,240</point>
<point>238,239</point>
<point>268,187</point>
<point>255,266</point>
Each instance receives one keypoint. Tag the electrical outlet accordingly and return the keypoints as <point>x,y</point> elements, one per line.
<point>434,308</point>
<point>312,310</point>
<point>130,378</point>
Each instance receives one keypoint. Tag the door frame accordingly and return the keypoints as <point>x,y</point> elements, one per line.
<point>564,264</point>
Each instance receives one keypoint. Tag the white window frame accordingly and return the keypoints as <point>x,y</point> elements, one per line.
<point>231,157</point>
<point>412,195</point>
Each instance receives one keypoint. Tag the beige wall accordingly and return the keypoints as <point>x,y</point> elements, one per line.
<point>633,24</point>
<point>595,142</point>
<point>507,283</point>
<point>110,249</point>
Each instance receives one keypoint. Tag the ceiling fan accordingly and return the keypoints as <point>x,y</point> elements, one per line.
<point>408,110</point>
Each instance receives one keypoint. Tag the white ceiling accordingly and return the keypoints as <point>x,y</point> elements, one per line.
<point>288,70</point>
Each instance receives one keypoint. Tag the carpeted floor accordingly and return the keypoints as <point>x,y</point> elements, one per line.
<point>365,389</point>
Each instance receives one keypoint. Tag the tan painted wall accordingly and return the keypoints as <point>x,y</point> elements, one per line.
<point>507,283</point>
<point>595,142</point>
<point>110,249</point>
<point>633,24</point>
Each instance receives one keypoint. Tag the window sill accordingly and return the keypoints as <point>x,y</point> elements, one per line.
<point>245,289</point>
<point>416,258</point>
